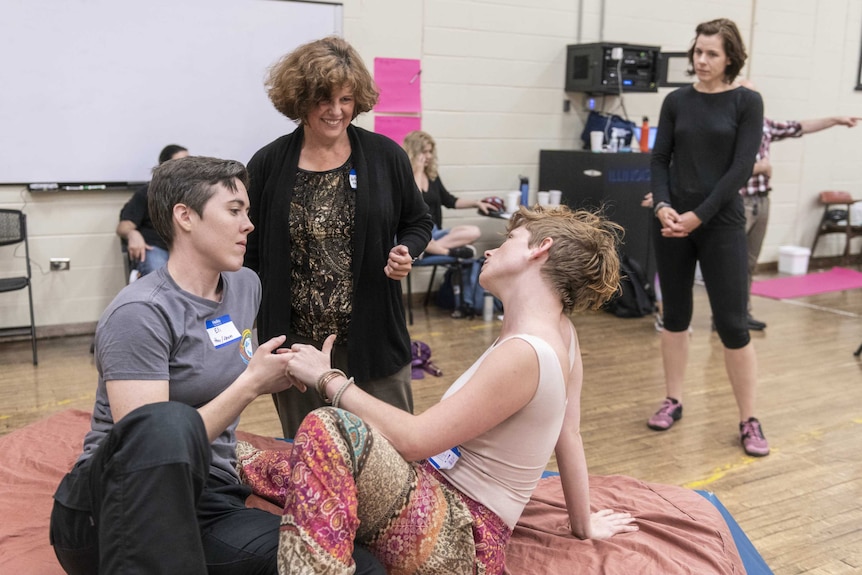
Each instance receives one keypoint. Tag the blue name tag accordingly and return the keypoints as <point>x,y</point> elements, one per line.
<point>222,331</point>
<point>447,459</point>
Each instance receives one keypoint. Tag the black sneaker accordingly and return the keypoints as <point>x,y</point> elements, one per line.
<point>756,325</point>
<point>467,252</point>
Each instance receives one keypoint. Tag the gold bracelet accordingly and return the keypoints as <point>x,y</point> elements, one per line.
<point>325,378</point>
<point>340,392</point>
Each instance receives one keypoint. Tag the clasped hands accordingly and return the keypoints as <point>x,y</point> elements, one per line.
<point>299,365</point>
<point>676,225</point>
<point>275,369</point>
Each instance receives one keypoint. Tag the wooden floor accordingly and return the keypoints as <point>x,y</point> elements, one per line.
<point>801,506</point>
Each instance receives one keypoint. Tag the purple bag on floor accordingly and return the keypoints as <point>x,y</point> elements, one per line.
<point>421,362</point>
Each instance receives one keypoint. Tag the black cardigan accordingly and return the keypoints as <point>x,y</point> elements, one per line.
<point>389,211</point>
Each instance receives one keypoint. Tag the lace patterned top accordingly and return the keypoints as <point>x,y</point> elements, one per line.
<point>321,227</point>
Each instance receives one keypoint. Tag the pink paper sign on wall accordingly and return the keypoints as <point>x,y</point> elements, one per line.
<point>396,127</point>
<point>399,81</point>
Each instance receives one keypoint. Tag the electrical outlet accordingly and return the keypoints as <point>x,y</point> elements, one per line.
<point>59,264</point>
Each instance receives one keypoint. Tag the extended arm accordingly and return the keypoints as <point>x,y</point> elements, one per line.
<point>503,384</point>
<point>818,124</point>
<point>571,460</point>
<point>461,203</point>
<point>265,374</point>
<point>572,464</point>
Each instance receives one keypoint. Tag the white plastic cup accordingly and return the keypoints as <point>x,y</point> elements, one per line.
<point>555,197</point>
<point>596,140</point>
<point>513,200</point>
<point>544,198</point>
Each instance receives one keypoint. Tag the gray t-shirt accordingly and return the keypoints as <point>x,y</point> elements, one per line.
<point>153,330</point>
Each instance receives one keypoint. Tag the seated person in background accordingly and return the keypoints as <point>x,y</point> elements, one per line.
<point>454,241</point>
<point>146,248</point>
<point>156,489</point>
<point>416,488</point>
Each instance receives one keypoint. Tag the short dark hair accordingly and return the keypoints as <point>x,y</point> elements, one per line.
<point>188,181</point>
<point>734,47</point>
<point>169,151</point>
<point>313,72</point>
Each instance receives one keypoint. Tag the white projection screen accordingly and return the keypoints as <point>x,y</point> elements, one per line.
<point>91,90</point>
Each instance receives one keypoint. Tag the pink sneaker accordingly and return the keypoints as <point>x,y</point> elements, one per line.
<point>669,412</point>
<point>752,438</point>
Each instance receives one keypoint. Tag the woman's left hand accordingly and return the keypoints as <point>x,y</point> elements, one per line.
<point>485,207</point>
<point>676,225</point>
<point>307,363</point>
<point>606,523</point>
<point>689,221</point>
<point>399,264</point>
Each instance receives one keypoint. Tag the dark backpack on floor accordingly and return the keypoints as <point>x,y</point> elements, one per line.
<point>636,297</point>
<point>472,300</point>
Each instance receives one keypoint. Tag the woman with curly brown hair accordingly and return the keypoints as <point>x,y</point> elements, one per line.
<point>338,221</point>
<point>440,492</point>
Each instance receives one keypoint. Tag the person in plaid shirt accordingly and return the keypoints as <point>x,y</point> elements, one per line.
<point>755,194</point>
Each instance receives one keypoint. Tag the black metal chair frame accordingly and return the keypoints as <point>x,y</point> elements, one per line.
<point>832,202</point>
<point>13,230</point>
<point>434,261</point>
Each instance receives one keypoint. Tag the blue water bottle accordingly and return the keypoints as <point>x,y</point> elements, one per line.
<point>525,190</point>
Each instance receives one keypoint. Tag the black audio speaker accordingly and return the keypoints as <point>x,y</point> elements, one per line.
<point>594,69</point>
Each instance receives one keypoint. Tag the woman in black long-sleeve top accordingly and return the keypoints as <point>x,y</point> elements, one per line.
<point>705,149</point>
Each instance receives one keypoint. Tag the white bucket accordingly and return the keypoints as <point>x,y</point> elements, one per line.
<point>793,260</point>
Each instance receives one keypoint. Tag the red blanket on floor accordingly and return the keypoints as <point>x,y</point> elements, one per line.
<point>680,531</point>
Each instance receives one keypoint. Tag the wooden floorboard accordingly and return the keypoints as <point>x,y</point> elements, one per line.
<point>801,506</point>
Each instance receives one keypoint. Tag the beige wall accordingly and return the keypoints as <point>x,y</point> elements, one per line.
<point>492,92</point>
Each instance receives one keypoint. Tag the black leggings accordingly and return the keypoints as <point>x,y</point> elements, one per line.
<point>722,252</point>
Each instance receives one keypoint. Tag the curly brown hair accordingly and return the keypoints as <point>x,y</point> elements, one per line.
<point>583,264</point>
<point>313,72</point>
<point>734,47</point>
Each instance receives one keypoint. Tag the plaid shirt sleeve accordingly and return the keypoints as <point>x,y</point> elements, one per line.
<point>778,131</point>
<point>772,132</point>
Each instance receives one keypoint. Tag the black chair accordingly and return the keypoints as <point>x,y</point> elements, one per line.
<point>13,230</point>
<point>836,220</point>
<point>434,261</point>
<point>129,265</point>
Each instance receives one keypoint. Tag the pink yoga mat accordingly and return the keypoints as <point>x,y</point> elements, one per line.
<point>836,279</point>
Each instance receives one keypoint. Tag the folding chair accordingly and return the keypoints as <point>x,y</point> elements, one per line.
<point>13,230</point>
<point>836,219</point>
<point>433,261</point>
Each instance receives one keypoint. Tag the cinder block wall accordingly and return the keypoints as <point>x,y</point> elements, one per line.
<point>492,93</point>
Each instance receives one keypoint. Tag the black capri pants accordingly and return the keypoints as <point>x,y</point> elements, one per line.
<point>723,256</point>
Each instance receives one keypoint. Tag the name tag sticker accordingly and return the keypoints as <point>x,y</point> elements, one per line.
<point>447,459</point>
<point>222,331</point>
<point>352,179</point>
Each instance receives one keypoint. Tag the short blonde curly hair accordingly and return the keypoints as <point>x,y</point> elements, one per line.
<point>313,72</point>
<point>583,262</point>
